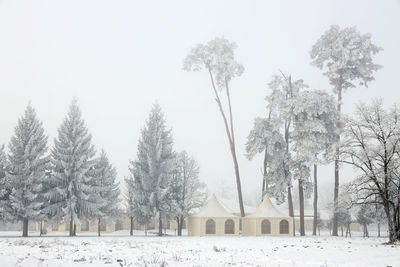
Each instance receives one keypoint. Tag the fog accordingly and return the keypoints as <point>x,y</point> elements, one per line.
<point>119,57</point>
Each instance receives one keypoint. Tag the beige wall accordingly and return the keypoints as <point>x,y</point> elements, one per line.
<point>252,226</point>
<point>126,225</point>
<point>171,224</point>
<point>197,226</point>
<point>62,227</point>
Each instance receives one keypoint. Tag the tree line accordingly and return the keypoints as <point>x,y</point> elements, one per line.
<point>70,183</point>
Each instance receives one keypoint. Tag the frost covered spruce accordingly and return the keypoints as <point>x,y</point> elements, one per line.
<point>107,189</point>
<point>5,189</point>
<point>148,184</point>
<point>27,169</point>
<point>347,57</point>
<point>72,196</point>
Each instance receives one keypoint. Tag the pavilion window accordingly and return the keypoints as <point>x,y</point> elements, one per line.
<point>210,227</point>
<point>229,227</point>
<point>284,227</point>
<point>266,227</point>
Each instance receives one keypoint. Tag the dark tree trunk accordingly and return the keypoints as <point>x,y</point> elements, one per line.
<point>341,229</point>
<point>159,226</point>
<point>336,189</point>
<point>25,227</point>
<point>264,183</point>
<point>348,232</point>
<point>71,227</point>
<point>291,212</point>
<point>74,229</point>
<point>366,231</point>
<point>379,230</point>
<point>98,227</point>
<point>393,224</point>
<point>301,203</point>
<point>315,221</point>
<point>180,224</point>
<point>131,231</point>
<point>290,199</point>
<point>41,228</point>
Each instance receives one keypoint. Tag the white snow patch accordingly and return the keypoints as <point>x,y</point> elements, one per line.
<point>120,249</point>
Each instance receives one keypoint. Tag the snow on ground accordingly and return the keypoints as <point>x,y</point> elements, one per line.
<point>120,249</point>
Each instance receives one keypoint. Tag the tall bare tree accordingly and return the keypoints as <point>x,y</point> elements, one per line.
<point>371,144</point>
<point>217,57</point>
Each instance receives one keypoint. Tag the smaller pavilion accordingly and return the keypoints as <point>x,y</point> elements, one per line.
<point>213,220</point>
<point>267,221</point>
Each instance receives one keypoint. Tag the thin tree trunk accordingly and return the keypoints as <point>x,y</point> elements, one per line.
<point>71,227</point>
<point>342,229</point>
<point>349,229</point>
<point>264,184</point>
<point>301,203</point>
<point>233,148</point>
<point>315,221</point>
<point>159,226</point>
<point>379,230</point>
<point>25,227</point>
<point>98,227</point>
<point>336,189</point>
<point>291,211</point>
<point>290,199</point>
<point>131,231</point>
<point>231,138</point>
<point>180,224</point>
<point>363,230</point>
<point>238,185</point>
<point>74,229</point>
<point>348,232</point>
<point>41,228</point>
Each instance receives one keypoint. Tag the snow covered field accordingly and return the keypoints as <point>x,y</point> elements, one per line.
<point>119,249</point>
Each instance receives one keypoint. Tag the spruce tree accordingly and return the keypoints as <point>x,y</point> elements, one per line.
<point>27,168</point>
<point>107,190</point>
<point>72,196</point>
<point>5,189</point>
<point>151,172</point>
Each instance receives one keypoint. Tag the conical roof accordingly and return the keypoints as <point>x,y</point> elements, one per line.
<point>266,210</point>
<point>213,209</point>
<point>232,206</point>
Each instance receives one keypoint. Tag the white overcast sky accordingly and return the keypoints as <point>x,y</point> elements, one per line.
<point>119,57</point>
